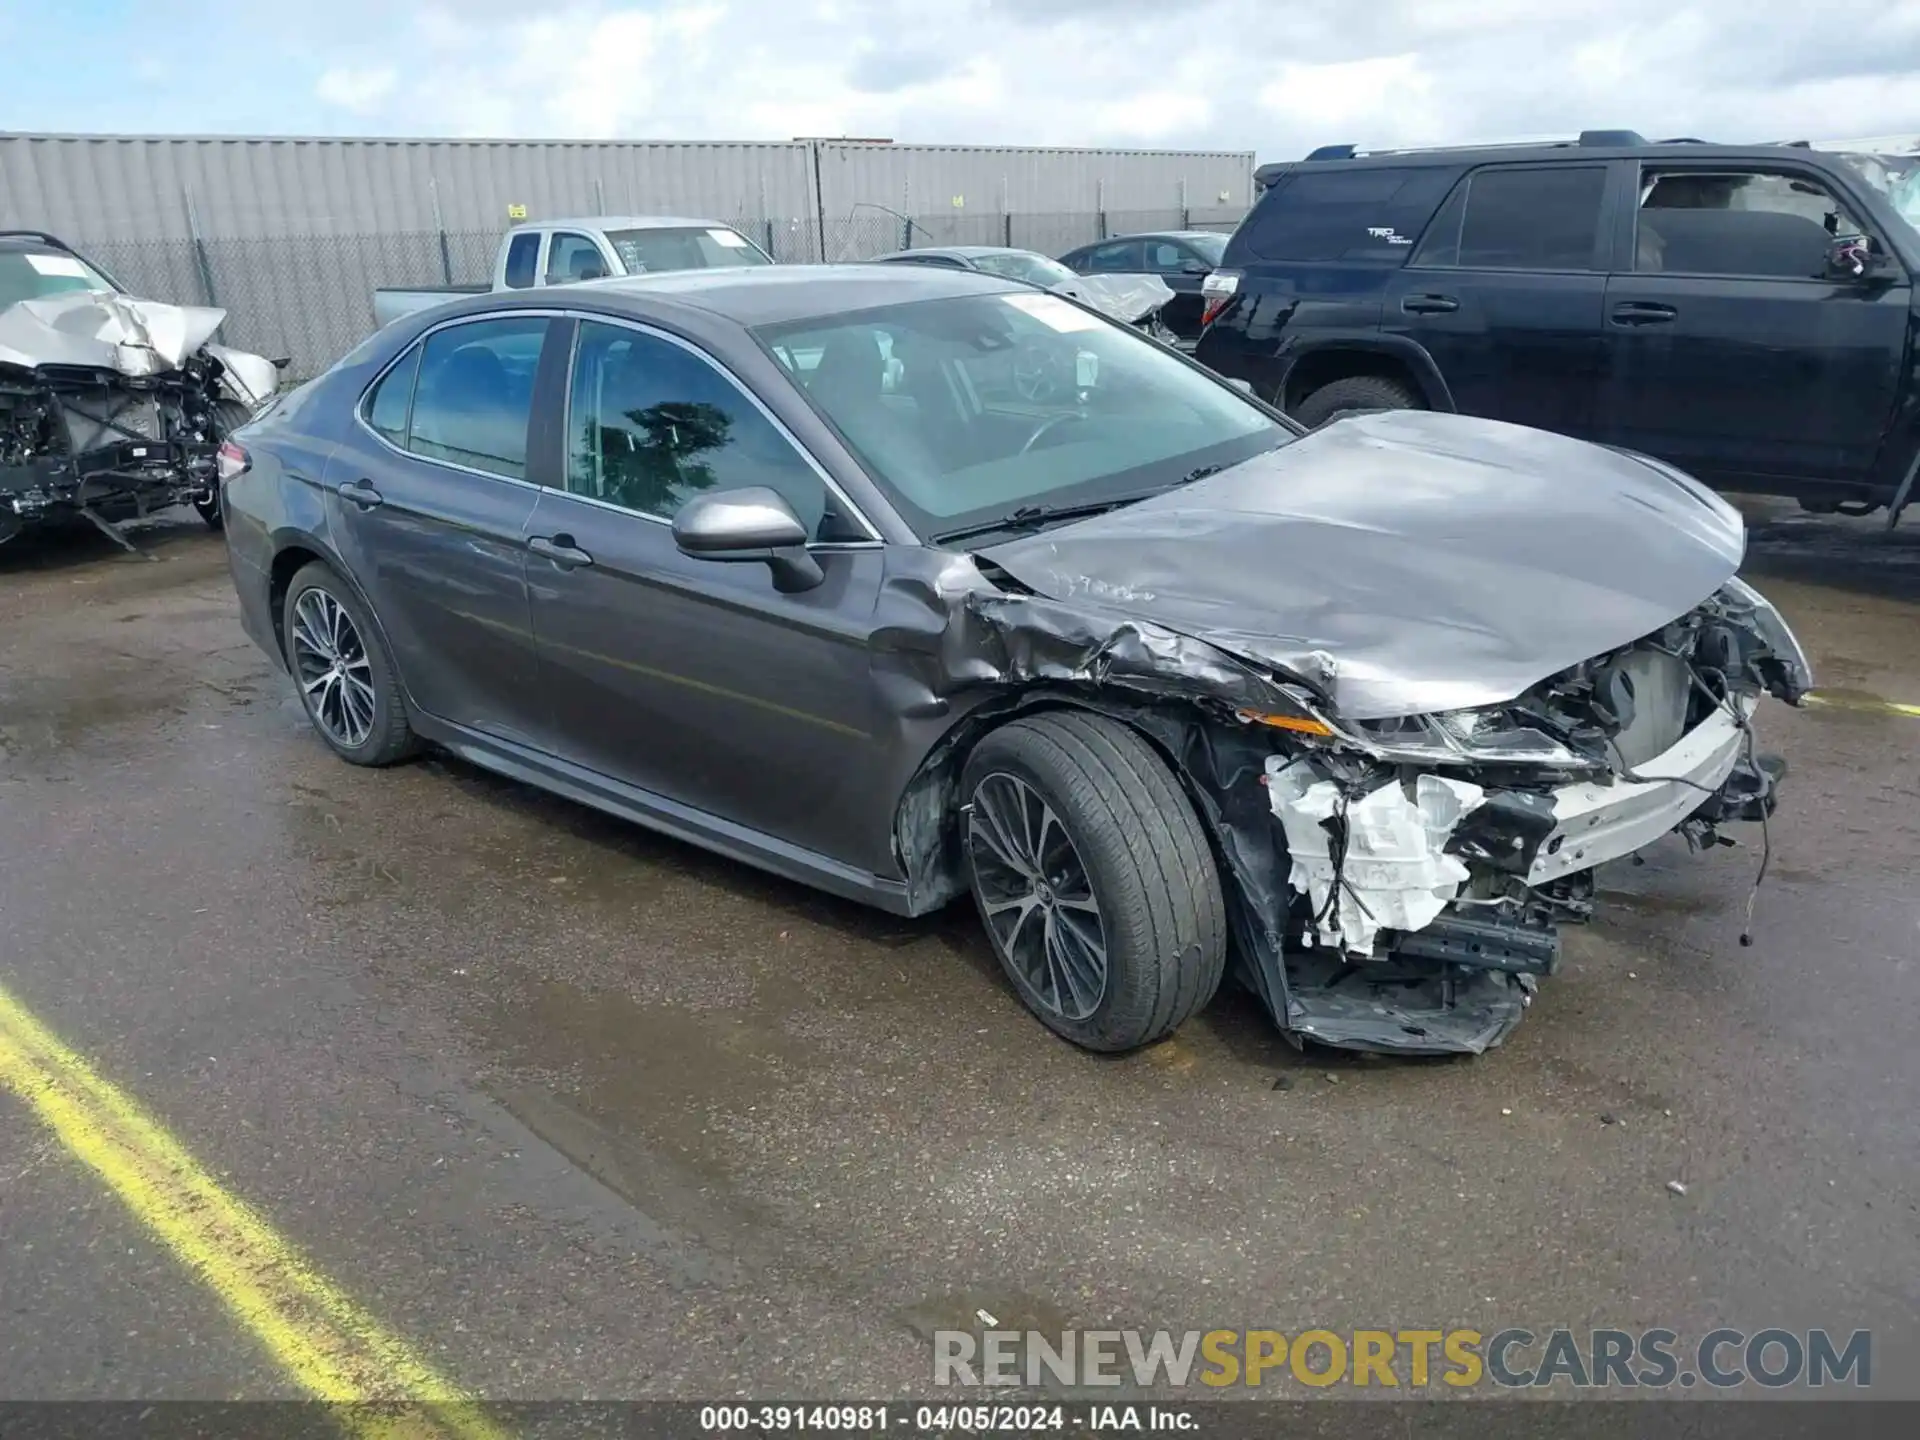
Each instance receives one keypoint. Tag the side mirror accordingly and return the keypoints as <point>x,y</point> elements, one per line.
<point>751,523</point>
<point>1195,267</point>
<point>1851,261</point>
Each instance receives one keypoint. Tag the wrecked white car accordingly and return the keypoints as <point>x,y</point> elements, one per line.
<point>1135,300</point>
<point>110,407</point>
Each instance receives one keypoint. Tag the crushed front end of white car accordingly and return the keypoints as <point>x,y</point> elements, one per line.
<point>111,407</point>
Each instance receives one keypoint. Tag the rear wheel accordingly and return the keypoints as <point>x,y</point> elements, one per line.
<point>1093,878</point>
<point>347,680</point>
<point>1355,393</point>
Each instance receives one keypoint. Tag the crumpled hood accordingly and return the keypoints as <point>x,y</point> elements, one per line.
<point>1126,298</point>
<point>1405,562</point>
<point>99,327</point>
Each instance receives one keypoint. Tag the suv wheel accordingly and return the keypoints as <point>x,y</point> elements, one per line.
<point>347,682</point>
<point>1355,393</point>
<point>1093,878</point>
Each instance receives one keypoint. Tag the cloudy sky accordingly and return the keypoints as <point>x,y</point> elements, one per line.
<point>1273,76</point>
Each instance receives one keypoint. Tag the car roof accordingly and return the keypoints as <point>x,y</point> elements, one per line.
<point>623,222</point>
<point>964,252</point>
<point>773,294</point>
<point>1152,235</point>
<point>1565,152</point>
<point>22,240</point>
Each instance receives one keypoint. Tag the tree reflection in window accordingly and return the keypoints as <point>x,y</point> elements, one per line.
<point>651,462</point>
<point>653,424</point>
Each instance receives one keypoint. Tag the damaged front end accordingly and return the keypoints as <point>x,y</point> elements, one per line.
<point>1433,858</point>
<point>1399,885</point>
<point>112,408</point>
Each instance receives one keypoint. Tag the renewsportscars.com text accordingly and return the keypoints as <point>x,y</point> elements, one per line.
<point>1415,1359</point>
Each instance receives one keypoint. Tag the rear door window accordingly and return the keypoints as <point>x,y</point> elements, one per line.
<point>523,259</point>
<point>1365,213</point>
<point>1546,218</point>
<point>475,394</point>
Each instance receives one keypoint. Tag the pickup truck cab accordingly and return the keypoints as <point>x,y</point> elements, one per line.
<point>1747,313</point>
<point>561,252</point>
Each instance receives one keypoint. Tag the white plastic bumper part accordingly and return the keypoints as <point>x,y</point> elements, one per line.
<point>1598,823</point>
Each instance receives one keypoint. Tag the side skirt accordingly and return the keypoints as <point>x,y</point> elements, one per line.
<point>668,817</point>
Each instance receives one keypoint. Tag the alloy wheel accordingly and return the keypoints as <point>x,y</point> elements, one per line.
<point>1036,896</point>
<point>330,662</point>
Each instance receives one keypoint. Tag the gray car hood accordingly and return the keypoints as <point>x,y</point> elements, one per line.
<point>1405,562</point>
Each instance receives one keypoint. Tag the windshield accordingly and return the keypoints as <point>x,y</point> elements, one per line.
<point>1897,177</point>
<point>1024,265</point>
<point>707,247</point>
<point>34,274</point>
<point>1212,247</point>
<point>969,408</point>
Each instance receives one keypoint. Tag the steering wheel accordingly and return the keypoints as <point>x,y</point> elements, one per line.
<point>1048,424</point>
<point>1037,374</point>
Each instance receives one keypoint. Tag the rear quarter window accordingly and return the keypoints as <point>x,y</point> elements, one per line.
<point>1371,213</point>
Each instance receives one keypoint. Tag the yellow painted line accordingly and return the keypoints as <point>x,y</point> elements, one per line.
<point>333,1348</point>
<point>1872,706</point>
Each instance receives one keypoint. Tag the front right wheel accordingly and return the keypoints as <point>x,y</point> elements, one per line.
<point>1094,879</point>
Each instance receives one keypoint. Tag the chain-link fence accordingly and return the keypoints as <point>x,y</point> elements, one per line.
<point>310,297</point>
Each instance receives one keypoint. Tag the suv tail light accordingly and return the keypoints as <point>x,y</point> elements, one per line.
<point>232,461</point>
<point>1215,291</point>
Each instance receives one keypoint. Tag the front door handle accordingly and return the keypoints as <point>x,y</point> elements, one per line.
<point>561,550</point>
<point>361,493</point>
<point>1643,312</point>
<point>1429,304</point>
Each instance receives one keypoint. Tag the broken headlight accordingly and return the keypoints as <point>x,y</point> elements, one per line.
<point>1774,632</point>
<point>1466,737</point>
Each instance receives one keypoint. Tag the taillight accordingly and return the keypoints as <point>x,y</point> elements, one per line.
<point>232,461</point>
<point>1215,291</point>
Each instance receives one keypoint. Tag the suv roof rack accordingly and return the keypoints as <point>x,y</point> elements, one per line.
<point>1592,139</point>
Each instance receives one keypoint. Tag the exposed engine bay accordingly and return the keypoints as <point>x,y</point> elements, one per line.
<point>111,408</point>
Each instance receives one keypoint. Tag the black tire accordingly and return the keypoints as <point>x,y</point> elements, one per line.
<point>1160,912</point>
<point>1356,392</point>
<point>228,416</point>
<point>389,738</point>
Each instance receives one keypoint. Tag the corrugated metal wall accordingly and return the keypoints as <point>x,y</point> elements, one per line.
<point>146,187</point>
<point>132,187</point>
<point>922,179</point>
<point>292,236</point>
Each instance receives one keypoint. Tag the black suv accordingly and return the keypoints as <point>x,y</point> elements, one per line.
<point>1744,312</point>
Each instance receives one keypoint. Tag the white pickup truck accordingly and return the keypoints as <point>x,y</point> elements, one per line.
<point>560,252</point>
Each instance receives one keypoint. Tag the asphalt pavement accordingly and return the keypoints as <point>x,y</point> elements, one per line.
<point>578,1111</point>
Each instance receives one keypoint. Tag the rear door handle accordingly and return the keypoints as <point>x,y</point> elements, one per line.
<point>361,493</point>
<point>1429,304</point>
<point>561,550</point>
<point>1643,312</point>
